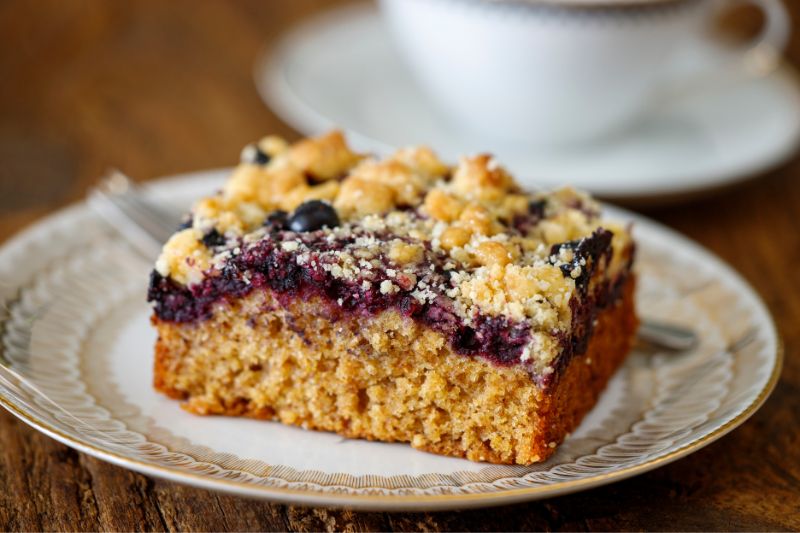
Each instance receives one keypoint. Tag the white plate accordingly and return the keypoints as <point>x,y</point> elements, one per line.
<point>76,325</point>
<point>340,70</point>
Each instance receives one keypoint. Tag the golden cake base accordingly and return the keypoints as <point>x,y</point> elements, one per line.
<point>383,378</point>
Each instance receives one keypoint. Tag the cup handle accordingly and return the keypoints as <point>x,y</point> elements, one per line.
<point>761,57</point>
<point>764,55</point>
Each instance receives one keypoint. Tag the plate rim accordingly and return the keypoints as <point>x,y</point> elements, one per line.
<point>276,94</point>
<point>377,502</point>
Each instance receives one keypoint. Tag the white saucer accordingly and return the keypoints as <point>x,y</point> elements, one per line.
<point>340,70</point>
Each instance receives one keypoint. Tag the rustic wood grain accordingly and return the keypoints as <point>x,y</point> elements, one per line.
<point>158,87</point>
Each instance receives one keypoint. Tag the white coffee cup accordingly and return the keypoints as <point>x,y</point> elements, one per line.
<point>556,72</point>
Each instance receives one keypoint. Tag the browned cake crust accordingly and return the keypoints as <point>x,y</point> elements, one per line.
<point>384,377</point>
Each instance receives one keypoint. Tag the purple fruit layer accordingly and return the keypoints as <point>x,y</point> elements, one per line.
<point>266,265</point>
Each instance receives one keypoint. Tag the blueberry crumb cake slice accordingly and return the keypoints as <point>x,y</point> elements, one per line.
<point>398,299</point>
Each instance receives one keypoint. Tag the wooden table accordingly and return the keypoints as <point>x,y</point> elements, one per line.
<point>155,88</point>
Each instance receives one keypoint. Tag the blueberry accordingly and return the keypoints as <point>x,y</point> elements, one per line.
<point>253,155</point>
<point>186,223</point>
<point>276,220</point>
<point>213,238</point>
<point>587,248</point>
<point>537,207</point>
<point>313,215</point>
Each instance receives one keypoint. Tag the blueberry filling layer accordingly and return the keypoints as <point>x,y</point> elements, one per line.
<point>267,264</point>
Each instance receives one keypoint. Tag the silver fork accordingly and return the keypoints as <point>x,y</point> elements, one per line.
<point>146,226</point>
<point>121,203</point>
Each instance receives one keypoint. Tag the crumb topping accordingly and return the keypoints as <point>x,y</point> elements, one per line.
<point>410,227</point>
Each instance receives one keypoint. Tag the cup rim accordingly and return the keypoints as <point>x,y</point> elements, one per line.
<point>586,10</point>
<point>591,4</point>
